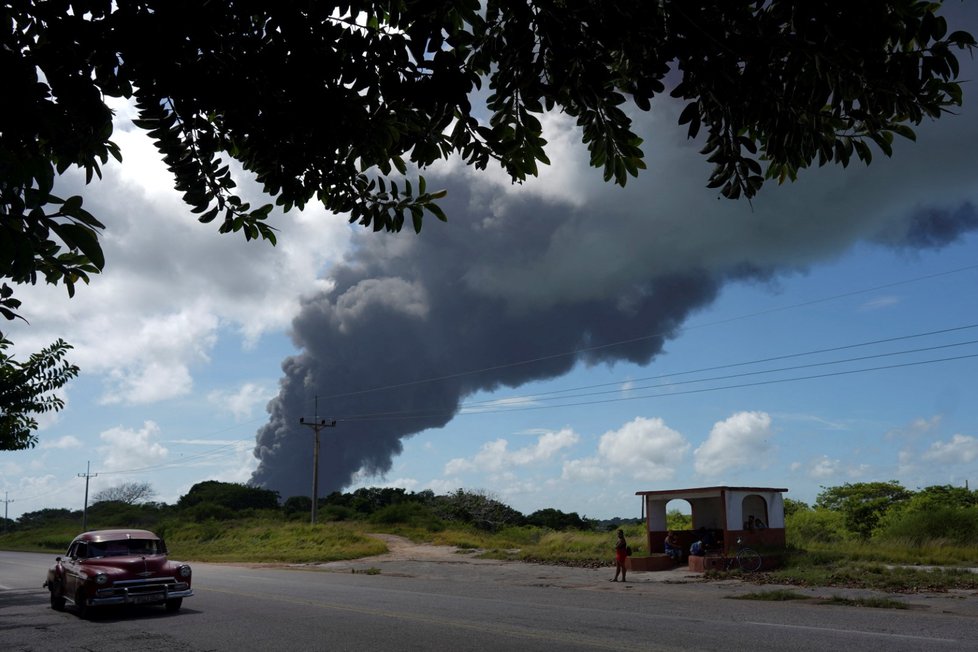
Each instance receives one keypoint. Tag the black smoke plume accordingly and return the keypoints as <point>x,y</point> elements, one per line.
<point>405,315</point>
<point>572,271</point>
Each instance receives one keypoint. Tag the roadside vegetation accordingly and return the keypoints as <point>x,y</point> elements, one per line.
<point>866,535</point>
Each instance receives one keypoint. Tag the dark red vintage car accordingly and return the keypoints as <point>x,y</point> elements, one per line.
<point>105,567</point>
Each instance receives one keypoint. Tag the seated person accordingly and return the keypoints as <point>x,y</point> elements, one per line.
<point>673,548</point>
<point>697,549</point>
<point>707,539</point>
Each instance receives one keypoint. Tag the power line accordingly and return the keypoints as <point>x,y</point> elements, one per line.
<point>521,403</point>
<point>774,359</point>
<point>521,406</point>
<point>182,462</point>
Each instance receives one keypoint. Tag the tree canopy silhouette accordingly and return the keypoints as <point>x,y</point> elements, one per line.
<point>346,103</point>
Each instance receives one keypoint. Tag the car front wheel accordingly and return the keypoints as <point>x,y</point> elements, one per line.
<point>57,597</point>
<point>174,605</point>
<point>84,611</point>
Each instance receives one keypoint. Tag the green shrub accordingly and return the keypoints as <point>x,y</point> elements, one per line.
<point>298,506</point>
<point>918,527</point>
<point>202,512</point>
<point>403,513</point>
<point>336,513</point>
<point>815,526</point>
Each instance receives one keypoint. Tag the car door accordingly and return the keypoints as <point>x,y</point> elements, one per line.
<point>71,564</point>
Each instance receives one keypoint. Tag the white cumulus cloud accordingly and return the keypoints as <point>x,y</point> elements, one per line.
<point>495,456</point>
<point>961,449</point>
<point>126,449</point>
<point>739,441</point>
<point>646,448</point>
<point>242,402</point>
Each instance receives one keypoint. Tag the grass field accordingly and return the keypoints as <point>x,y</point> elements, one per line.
<point>892,567</point>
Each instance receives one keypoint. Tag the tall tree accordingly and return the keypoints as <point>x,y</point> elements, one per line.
<point>129,493</point>
<point>344,103</point>
<point>863,504</point>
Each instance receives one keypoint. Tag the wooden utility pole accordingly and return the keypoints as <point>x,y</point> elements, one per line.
<point>87,475</point>
<point>6,501</point>
<point>316,424</point>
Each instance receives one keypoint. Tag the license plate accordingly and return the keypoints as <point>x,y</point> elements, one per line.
<point>147,597</point>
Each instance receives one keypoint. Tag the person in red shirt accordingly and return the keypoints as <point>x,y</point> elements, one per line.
<point>621,554</point>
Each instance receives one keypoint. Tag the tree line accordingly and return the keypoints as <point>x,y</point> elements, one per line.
<point>861,511</point>
<point>129,505</point>
<point>885,511</point>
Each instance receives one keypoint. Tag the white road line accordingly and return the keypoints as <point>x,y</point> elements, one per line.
<point>949,641</point>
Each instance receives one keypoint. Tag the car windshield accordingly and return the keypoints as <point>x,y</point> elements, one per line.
<point>124,547</point>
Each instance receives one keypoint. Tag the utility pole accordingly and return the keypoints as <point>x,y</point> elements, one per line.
<point>6,501</point>
<point>316,424</point>
<point>87,475</point>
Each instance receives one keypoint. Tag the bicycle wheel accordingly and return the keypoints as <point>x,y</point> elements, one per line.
<point>749,560</point>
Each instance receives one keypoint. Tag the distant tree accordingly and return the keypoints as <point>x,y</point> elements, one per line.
<point>557,520</point>
<point>368,500</point>
<point>129,493</point>
<point>792,506</point>
<point>294,505</point>
<point>229,495</point>
<point>676,520</point>
<point>938,512</point>
<point>49,516</point>
<point>775,86</point>
<point>116,513</point>
<point>335,498</point>
<point>479,508</point>
<point>205,511</point>
<point>26,389</point>
<point>943,496</point>
<point>863,504</point>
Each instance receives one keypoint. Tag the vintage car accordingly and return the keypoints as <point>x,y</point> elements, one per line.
<point>106,567</point>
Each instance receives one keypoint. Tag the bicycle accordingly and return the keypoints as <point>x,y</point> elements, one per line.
<point>748,559</point>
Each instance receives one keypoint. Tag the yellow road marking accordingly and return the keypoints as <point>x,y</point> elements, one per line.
<point>495,629</point>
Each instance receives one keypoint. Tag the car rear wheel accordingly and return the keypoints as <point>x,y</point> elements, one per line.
<point>174,605</point>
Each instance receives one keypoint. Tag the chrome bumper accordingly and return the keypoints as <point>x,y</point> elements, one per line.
<point>124,596</point>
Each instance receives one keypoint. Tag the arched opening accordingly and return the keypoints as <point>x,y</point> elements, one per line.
<point>754,510</point>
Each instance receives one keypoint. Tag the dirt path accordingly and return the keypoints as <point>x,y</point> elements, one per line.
<point>403,549</point>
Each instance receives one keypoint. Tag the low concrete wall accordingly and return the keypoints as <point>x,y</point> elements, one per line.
<point>650,563</point>
<point>714,562</point>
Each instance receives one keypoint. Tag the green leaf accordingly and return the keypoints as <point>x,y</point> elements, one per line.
<point>905,131</point>
<point>84,239</point>
<point>436,210</point>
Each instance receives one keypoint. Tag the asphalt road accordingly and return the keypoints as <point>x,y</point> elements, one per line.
<point>466,605</point>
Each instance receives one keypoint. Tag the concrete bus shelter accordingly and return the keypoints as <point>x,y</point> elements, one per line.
<point>724,512</point>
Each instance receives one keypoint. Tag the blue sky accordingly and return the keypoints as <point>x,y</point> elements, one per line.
<point>182,339</point>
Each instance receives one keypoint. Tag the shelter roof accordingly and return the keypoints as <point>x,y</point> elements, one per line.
<point>706,492</point>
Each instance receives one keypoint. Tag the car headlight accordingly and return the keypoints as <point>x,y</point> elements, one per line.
<point>101,579</point>
<point>184,571</point>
